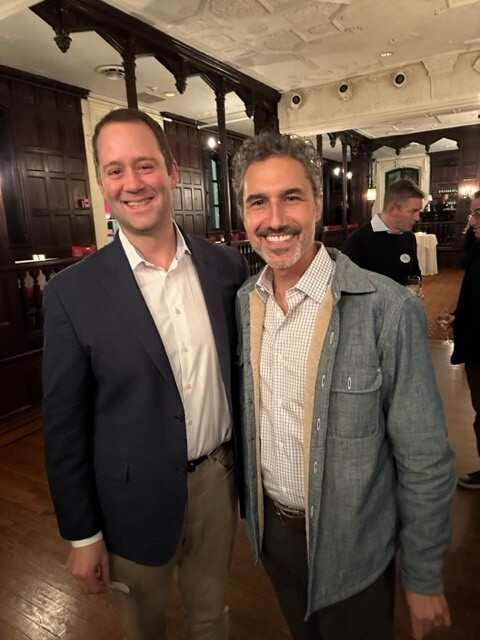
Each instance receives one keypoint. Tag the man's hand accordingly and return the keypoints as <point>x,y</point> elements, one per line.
<point>90,567</point>
<point>445,318</point>
<point>427,613</point>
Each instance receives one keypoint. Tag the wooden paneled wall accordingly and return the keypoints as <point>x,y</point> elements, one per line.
<point>43,151</point>
<point>189,207</point>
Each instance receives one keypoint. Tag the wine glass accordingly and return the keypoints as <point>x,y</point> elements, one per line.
<point>444,320</point>
<point>414,284</point>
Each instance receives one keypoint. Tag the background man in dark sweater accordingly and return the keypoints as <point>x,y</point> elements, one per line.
<point>387,244</point>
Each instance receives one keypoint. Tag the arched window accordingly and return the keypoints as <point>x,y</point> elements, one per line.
<point>405,173</point>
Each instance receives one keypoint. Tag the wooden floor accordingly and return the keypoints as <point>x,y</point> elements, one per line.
<point>440,296</point>
<point>39,601</point>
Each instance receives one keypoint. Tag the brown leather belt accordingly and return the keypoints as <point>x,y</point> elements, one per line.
<point>293,517</point>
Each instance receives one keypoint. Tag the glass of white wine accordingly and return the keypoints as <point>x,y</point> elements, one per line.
<point>444,320</point>
<point>414,284</point>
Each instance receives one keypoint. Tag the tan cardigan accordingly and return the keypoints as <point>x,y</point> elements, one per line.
<point>257,319</point>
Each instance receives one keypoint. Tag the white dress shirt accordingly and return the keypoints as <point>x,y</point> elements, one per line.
<point>283,363</point>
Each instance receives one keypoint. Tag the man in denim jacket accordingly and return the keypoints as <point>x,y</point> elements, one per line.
<point>345,445</point>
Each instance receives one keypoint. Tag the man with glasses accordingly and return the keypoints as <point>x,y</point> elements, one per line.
<point>466,320</point>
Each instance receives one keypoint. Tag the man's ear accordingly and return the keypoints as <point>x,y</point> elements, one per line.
<point>318,208</point>
<point>174,175</point>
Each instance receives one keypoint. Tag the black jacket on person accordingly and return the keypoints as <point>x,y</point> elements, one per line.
<point>467,313</point>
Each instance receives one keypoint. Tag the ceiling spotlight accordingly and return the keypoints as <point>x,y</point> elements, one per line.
<point>344,91</point>
<point>169,94</point>
<point>386,54</point>
<point>400,79</point>
<point>111,71</point>
<point>296,100</point>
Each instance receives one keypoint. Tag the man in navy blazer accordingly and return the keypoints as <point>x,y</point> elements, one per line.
<point>139,397</point>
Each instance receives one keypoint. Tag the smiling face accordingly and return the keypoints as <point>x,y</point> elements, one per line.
<point>474,217</point>
<point>280,213</point>
<point>134,180</point>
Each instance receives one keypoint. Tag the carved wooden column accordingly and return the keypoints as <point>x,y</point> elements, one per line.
<point>344,182</point>
<point>223,158</point>
<point>129,65</point>
<point>265,118</point>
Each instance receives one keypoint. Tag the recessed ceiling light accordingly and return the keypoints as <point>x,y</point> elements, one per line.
<point>169,94</point>
<point>386,54</point>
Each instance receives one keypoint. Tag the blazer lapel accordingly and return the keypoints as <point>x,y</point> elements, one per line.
<point>122,288</point>
<point>207,270</point>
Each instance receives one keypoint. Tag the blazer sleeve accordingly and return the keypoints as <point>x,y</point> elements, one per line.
<point>68,385</point>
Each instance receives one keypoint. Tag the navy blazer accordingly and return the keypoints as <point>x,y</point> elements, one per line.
<point>114,422</point>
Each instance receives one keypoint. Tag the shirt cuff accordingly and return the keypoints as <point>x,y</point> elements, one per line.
<point>83,543</point>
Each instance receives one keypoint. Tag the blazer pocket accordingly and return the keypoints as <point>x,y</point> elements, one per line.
<point>355,403</point>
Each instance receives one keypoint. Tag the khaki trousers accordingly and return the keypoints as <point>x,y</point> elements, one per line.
<point>202,561</point>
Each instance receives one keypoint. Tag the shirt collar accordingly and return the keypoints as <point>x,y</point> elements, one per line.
<point>379,225</point>
<point>313,283</point>
<point>134,256</point>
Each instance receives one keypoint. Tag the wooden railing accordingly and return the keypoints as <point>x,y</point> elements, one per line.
<point>32,276</point>
<point>449,234</point>
<point>255,262</point>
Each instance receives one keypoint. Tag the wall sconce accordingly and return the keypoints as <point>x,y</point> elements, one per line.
<point>371,194</point>
<point>211,142</point>
<point>468,189</point>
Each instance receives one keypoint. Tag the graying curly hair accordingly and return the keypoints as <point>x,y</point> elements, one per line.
<point>268,144</point>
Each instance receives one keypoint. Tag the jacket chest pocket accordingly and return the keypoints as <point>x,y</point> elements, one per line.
<point>355,403</point>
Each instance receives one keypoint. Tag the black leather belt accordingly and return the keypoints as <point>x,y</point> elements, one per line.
<point>193,464</point>
<point>293,517</point>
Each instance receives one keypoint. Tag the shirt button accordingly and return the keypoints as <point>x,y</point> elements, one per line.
<point>319,422</point>
<point>323,380</point>
<point>190,422</point>
<point>177,311</point>
<point>185,348</point>
<point>188,386</point>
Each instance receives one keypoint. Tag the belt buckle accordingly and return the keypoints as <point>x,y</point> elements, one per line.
<point>284,514</point>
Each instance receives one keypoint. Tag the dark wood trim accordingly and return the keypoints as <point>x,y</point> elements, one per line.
<point>179,58</point>
<point>31,78</point>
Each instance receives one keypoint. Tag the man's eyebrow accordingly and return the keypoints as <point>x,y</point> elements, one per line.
<point>136,160</point>
<point>263,196</point>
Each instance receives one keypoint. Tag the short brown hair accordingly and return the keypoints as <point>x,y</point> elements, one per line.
<point>134,115</point>
<point>400,191</point>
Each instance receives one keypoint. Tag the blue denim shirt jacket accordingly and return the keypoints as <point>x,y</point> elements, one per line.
<point>379,468</point>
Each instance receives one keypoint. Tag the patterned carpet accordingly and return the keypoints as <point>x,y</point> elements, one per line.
<point>440,296</point>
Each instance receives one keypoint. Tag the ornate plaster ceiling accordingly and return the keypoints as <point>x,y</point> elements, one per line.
<point>292,45</point>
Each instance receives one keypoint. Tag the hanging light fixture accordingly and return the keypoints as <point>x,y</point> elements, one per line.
<point>371,191</point>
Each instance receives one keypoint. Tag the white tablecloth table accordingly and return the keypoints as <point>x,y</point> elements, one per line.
<point>427,253</point>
